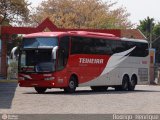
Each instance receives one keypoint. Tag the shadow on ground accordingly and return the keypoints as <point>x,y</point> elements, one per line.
<point>7,92</point>
<point>90,92</point>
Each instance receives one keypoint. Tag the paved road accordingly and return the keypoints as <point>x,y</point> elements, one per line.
<point>16,100</point>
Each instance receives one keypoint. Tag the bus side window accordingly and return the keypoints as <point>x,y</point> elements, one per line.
<point>63,52</point>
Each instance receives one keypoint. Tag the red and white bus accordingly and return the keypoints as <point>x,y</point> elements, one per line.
<point>78,58</point>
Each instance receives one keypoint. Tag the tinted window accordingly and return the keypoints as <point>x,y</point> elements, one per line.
<point>82,45</point>
<point>63,52</point>
<point>86,45</point>
<point>141,49</point>
<point>103,46</point>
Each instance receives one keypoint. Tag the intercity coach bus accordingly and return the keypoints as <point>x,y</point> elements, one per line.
<point>72,59</point>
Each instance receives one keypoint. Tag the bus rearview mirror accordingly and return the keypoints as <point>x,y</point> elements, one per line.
<point>54,51</point>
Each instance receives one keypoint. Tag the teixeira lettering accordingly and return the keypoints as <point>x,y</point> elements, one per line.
<point>91,60</point>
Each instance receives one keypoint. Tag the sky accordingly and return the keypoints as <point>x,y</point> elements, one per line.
<point>138,9</point>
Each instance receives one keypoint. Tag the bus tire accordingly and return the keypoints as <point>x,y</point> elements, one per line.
<point>125,83</point>
<point>99,88</point>
<point>132,83</point>
<point>40,90</point>
<point>72,85</point>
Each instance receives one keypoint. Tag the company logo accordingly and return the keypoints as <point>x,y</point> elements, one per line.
<point>4,117</point>
<point>9,117</point>
<point>91,60</point>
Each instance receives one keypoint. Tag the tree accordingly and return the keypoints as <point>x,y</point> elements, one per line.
<point>147,26</point>
<point>81,14</point>
<point>156,41</point>
<point>13,11</point>
<point>156,30</point>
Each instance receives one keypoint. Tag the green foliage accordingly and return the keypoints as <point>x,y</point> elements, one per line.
<point>147,26</point>
<point>156,30</point>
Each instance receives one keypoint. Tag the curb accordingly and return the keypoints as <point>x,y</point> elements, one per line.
<point>8,81</point>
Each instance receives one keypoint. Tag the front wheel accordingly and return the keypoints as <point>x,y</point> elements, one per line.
<point>40,90</point>
<point>72,85</point>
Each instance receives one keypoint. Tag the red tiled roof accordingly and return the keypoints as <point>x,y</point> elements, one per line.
<point>132,33</point>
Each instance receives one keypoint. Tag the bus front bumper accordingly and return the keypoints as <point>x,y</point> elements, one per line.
<point>25,83</point>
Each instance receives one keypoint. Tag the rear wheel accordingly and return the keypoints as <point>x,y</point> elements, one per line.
<point>99,88</point>
<point>132,83</point>
<point>125,83</point>
<point>72,85</point>
<point>124,86</point>
<point>40,90</point>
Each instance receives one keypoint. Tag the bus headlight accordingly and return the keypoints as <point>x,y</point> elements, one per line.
<point>49,78</point>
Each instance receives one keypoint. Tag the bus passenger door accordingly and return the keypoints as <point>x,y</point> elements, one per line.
<point>62,60</point>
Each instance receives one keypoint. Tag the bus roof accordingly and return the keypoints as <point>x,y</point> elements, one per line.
<point>72,33</point>
<point>45,34</point>
<point>86,33</point>
<point>81,33</point>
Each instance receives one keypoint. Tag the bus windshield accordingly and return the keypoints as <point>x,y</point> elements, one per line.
<point>37,61</point>
<point>36,55</point>
<point>43,42</point>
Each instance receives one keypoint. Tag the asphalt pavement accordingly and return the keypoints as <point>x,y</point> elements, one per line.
<point>17,100</point>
